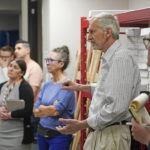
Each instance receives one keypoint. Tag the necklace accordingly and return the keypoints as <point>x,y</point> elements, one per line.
<point>7,91</point>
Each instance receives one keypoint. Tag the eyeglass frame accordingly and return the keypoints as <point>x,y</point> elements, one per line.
<point>5,57</point>
<point>51,60</point>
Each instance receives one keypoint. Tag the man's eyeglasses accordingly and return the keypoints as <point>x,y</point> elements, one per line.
<point>146,41</point>
<point>4,57</point>
<point>50,60</point>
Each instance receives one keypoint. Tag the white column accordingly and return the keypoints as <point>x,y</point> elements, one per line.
<point>45,35</point>
<point>24,20</point>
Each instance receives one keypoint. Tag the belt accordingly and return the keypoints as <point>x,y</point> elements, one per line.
<point>46,132</point>
<point>113,124</point>
<point>118,123</point>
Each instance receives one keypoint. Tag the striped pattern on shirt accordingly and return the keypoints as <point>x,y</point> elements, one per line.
<point>118,84</point>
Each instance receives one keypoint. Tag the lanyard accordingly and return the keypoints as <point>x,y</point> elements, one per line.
<point>6,93</point>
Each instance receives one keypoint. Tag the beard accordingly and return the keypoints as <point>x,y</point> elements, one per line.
<point>95,46</point>
<point>100,45</point>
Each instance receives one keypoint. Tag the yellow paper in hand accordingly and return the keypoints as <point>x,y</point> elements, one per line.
<point>137,108</point>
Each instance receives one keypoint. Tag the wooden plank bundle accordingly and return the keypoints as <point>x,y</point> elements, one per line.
<point>93,69</point>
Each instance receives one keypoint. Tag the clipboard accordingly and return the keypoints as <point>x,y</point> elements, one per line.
<point>13,104</point>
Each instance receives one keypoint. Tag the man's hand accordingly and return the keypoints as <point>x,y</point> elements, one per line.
<point>72,126</point>
<point>140,132</point>
<point>69,85</point>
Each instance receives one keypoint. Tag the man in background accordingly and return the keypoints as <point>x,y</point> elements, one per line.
<point>6,55</point>
<point>141,133</point>
<point>34,73</point>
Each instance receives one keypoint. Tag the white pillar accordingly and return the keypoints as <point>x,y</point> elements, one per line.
<point>24,20</point>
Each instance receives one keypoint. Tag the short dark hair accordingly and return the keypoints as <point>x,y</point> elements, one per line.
<point>7,48</point>
<point>24,43</point>
<point>22,64</point>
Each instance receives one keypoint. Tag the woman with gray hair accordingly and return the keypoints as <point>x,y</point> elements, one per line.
<point>54,103</point>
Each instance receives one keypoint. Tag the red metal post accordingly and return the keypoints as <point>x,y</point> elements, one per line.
<point>84,26</point>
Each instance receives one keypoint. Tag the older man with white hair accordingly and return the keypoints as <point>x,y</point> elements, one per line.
<point>118,84</point>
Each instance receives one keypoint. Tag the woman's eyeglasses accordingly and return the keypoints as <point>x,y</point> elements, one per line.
<point>13,66</point>
<point>146,41</point>
<point>50,60</point>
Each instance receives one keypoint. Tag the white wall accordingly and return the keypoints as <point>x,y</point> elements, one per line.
<point>62,22</point>
<point>10,11</point>
<point>13,5</point>
<point>24,20</point>
<point>45,34</point>
<point>138,4</point>
<point>9,22</point>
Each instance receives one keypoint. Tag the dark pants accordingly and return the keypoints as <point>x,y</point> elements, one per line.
<point>61,142</point>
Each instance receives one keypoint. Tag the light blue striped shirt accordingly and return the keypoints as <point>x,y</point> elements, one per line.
<point>118,84</point>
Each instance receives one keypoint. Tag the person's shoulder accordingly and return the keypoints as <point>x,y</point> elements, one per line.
<point>25,88</point>
<point>1,84</point>
<point>46,84</point>
<point>123,53</point>
<point>34,68</point>
<point>24,83</point>
<point>34,63</point>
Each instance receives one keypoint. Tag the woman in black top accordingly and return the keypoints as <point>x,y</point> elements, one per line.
<point>16,132</point>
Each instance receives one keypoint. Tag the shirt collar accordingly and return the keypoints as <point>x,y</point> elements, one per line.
<point>111,50</point>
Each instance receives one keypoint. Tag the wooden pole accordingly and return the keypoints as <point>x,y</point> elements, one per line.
<point>77,66</point>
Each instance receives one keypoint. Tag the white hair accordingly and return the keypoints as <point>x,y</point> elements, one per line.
<point>108,21</point>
